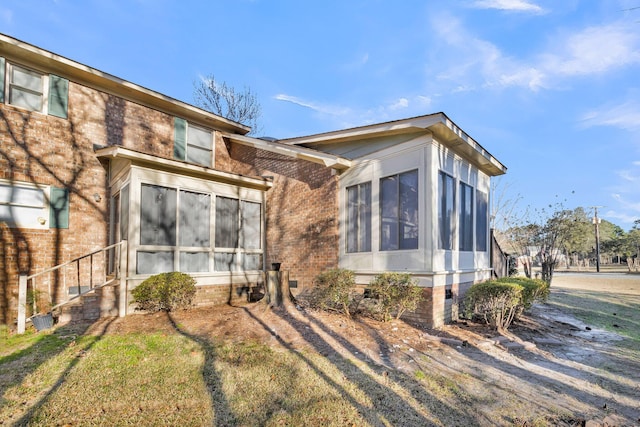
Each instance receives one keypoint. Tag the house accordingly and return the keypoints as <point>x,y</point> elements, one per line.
<point>100,177</point>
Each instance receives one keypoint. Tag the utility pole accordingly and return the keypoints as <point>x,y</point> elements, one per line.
<point>596,223</point>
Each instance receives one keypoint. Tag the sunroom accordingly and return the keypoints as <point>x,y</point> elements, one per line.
<point>177,216</point>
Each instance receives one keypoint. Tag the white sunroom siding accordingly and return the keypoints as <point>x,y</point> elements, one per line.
<point>435,266</point>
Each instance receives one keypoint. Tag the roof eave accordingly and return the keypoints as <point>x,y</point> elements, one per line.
<point>38,58</point>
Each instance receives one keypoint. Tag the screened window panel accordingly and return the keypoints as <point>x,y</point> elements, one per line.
<point>154,262</point>
<point>252,262</point>
<point>124,213</point>
<point>389,207</point>
<point>227,222</point>
<point>409,210</point>
<point>157,215</point>
<point>199,156</point>
<point>251,225</point>
<point>195,216</point>
<point>466,218</point>
<point>482,220</point>
<point>359,218</point>
<point>194,262</point>
<point>224,261</point>
<point>446,210</point>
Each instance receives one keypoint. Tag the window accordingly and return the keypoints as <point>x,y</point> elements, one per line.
<point>359,218</point>
<point>32,90</point>
<point>192,143</point>
<point>399,211</point>
<point>26,88</point>
<point>465,232</point>
<point>238,235</point>
<point>446,198</point>
<point>29,206</point>
<point>482,222</point>
<point>174,220</point>
<point>22,206</point>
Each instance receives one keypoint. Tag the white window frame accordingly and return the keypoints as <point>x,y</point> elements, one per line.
<point>466,219</point>
<point>39,219</point>
<point>10,84</point>
<point>190,146</point>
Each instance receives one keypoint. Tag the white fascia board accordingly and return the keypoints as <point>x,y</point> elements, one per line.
<point>308,154</point>
<point>183,168</point>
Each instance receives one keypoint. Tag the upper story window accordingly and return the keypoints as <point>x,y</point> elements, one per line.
<point>26,205</point>
<point>399,211</point>
<point>359,218</point>
<point>26,88</point>
<point>192,143</point>
<point>32,90</point>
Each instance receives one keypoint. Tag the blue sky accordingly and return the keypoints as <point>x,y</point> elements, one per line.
<point>550,87</point>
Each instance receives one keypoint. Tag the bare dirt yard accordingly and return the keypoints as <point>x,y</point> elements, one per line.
<point>549,369</point>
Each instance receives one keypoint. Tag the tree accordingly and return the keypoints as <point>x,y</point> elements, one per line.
<point>241,106</point>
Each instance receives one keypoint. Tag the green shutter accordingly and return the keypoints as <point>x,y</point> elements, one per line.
<point>59,208</point>
<point>58,96</point>
<point>180,138</point>
<point>2,68</point>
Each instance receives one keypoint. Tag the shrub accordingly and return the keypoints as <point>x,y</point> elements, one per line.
<point>396,292</point>
<point>497,303</point>
<point>334,290</point>
<point>165,291</point>
<point>534,290</point>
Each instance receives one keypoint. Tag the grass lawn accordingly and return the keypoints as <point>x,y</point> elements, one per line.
<point>96,375</point>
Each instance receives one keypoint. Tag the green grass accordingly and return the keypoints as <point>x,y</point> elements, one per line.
<point>177,379</point>
<point>618,313</point>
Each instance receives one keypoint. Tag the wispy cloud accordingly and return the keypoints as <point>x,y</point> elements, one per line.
<point>510,5</point>
<point>332,110</point>
<point>476,63</point>
<point>624,116</point>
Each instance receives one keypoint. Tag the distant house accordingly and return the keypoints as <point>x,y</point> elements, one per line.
<point>88,160</point>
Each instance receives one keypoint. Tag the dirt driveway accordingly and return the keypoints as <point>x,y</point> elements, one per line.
<point>551,369</point>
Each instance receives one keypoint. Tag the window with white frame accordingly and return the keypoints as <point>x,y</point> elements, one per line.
<point>175,232</point>
<point>199,145</point>
<point>482,220</point>
<point>238,234</point>
<point>465,218</point>
<point>446,200</point>
<point>359,218</point>
<point>26,88</point>
<point>23,206</point>
<point>192,143</point>
<point>399,211</point>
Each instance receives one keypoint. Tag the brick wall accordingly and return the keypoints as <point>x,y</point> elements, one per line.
<point>60,152</point>
<point>301,209</point>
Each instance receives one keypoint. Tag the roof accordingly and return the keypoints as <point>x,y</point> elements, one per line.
<point>35,57</point>
<point>182,168</point>
<point>315,156</point>
<point>443,128</point>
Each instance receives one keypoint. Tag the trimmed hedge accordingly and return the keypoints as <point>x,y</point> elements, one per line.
<point>499,302</point>
<point>165,292</point>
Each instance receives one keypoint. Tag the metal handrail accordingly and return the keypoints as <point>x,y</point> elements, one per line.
<point>110,277</point>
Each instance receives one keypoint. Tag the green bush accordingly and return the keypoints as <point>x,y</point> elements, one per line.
<point>534,290</point>
<point>497,303</point>
<point>165,292</point>
<point>396,292</point>
<point>334,290</point>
